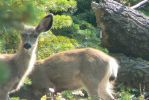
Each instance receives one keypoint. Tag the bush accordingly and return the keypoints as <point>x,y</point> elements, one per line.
<point>50,44</point>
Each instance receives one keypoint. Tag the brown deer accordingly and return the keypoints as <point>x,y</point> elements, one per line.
<point>21,63</point>
<point>73,69</point>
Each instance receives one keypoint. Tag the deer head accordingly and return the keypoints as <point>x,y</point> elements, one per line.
<point>30,34</point>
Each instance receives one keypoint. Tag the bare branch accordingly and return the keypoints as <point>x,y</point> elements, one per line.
<point>139,4</point>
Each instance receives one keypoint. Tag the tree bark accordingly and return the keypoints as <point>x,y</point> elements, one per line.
<point>133,72</point>
<point>124,30</point>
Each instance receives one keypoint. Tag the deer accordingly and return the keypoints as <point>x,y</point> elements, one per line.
<point>73,69</point>
<point>21,63</point>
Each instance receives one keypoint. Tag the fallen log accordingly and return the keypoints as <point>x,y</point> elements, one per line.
<point>124,29</point>
<point>133,72</point>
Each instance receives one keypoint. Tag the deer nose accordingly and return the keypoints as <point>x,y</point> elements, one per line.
<point>27,46</point>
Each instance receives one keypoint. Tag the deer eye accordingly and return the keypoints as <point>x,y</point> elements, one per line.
<point>24,35</point>
<point>35,35</point>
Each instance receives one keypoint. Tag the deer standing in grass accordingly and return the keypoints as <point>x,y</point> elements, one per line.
<point>19,65</point>
<point>73,69</point>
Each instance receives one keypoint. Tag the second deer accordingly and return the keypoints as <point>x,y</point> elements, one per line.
<point>73,69</point>
<point>20,64</point>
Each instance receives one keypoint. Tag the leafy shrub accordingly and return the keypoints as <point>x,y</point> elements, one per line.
<point>145,9</point>
<point>1,44</point>
<point>9,42</point>
<point>61,21</point>
<point>126,93</point>
<point>68,95</point>
<point>83,32</point>
<point>61,5</point>
<point>84,5</point>
<point>13,11</point>
<point>50,44</point>
<point>88,16</point>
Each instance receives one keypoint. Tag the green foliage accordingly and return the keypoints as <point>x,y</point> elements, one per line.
<point>50,44</point>
<point>88,16</point>
<point>16,11</point>
<point>74,30</point>
<point>84,5</point>
<point>68,95</point>
<point>15,98</point>
<point>9,42</point>
<point>145,9</point>
<point>26,11</point>
<point>83,32</point>
<point>61,21</point>
<point>1,45</point>
<point>87,33</point>
<point>126,93</point>
<point>61,5</point>
<point>28,81</point>
<point>13,13</point>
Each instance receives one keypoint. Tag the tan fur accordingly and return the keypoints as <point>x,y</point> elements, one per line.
<point>73,69</point>
<point>19,65</point>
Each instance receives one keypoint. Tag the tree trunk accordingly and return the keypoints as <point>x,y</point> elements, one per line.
<point>124,30</point>
<point>133,72</point>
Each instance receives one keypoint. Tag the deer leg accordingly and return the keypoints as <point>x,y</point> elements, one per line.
<point>98,86</point>
<point>105,90</point>
<point>4,96</point>
<point>92,86</point>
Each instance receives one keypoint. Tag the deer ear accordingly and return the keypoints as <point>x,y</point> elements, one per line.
<point>45,24</point>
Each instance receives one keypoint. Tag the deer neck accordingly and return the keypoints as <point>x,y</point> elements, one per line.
<point>25,59</point>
